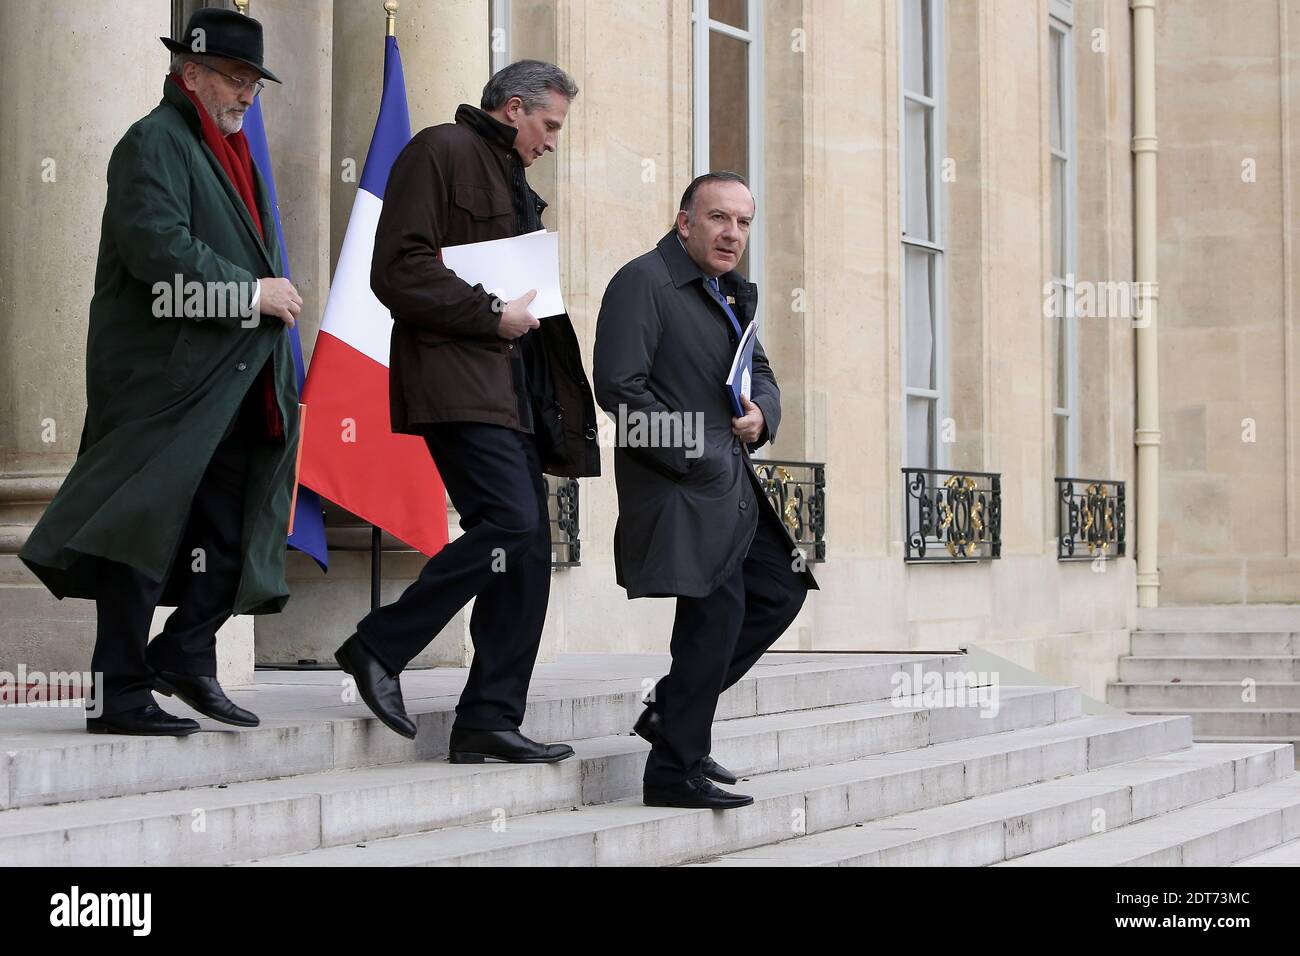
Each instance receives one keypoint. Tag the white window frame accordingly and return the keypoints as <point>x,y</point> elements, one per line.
<point>498,16</point>
<point>1061,20</point>
<point>937,102</point>
<point>701,26</point>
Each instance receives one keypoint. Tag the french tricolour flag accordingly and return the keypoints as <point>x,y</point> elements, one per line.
<point>350,455</point>
<point>308,526</point>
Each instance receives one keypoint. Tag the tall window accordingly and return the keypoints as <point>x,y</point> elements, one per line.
<point>925,372</point>
<point>182,10</point>
<point>1065,324</point>
<point>727,94</point>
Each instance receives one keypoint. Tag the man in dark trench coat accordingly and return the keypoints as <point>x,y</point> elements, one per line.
<point>693,520</point>
<point>181,488</point>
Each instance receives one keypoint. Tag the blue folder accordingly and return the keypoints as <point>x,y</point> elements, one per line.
<point>740,380</point>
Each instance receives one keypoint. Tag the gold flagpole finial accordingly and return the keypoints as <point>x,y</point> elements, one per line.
<point>242,6</point>
<point>390,8</point>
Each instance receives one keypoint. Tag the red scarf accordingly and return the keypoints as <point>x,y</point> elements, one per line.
<point>231,152</point>
<point>233,155</point>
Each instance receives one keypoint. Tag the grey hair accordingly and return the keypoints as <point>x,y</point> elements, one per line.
<point>533,81</point>
<point>180,59</point>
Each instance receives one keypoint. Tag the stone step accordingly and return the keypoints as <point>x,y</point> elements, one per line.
<point>809,799</point>
<point>1220,617</point>
<point>1293,741</point>
<point>1239,722</point>
<point>1225,695</point>
<point>1035,818</point>
<point>1288,854</point>
<point>1216,833</point>
<point>266,817</point>
<point>1276,668</point>
<point>307,727</point>
<point>1214,643</point>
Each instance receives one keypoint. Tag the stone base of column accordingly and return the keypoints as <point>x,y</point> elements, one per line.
<point>323,610</point>
<point>47,634</point>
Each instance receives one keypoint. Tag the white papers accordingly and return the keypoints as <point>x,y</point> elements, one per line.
<point>510,267</point>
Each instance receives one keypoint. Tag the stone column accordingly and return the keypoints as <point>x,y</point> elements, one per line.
<point>444,46</point>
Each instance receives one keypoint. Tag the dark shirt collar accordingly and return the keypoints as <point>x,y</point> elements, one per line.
<point>486,125</point>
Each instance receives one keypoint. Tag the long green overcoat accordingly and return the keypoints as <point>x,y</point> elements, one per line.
<point>162,389</point>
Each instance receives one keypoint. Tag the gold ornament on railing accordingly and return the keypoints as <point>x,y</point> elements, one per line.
<point>1091,494</point>
<point>963,486</point>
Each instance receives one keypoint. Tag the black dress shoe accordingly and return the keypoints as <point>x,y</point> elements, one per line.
<point>381,691</point>
<point>476,746</point>
<point>205,695</point>
<point>694,794</point>
<point>147,721</point>
<point>647,728</point>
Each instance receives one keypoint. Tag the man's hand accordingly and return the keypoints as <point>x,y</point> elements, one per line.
<point>515,317</point>
<point>280,299</point>
<point>750,427</point>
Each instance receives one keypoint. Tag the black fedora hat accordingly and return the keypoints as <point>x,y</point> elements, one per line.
<point>218,32</point>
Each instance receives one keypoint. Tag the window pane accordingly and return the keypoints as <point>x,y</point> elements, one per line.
<point>1061,341</point>
<point>728,104</point>
<point>1058,218</point>
<point>916,176</point>
<point>1057,106</point>
<point>1062,446</point>
<point>919,301</point>
<point>920,432</point>
<point>731,12</point>
<point>916,46</point>
<point>729,111</point>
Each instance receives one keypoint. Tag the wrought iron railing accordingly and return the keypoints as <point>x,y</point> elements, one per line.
<point>951,516</point>
<point>562,500</point>
<point>797,490</point>
<point>1090,522</point>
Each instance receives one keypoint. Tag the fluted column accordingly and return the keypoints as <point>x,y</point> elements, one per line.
<point>75,76</point>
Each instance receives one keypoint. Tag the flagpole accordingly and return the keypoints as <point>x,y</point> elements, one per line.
<point>376,554</point>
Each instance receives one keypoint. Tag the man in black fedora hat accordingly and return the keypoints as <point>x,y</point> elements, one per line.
<point>181,490</point>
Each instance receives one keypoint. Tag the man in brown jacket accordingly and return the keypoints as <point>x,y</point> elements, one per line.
<point>498,398</point>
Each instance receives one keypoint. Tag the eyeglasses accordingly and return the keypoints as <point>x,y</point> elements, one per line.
<point>237,83</point>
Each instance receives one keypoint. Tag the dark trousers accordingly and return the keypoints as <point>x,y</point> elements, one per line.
<point>503,560</point>
<point>716,640</point>
<point>204,584</point>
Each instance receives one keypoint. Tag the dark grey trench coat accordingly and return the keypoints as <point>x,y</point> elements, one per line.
<point>664,347</point>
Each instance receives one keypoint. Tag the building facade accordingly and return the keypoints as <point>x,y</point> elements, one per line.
<point>946,253</point>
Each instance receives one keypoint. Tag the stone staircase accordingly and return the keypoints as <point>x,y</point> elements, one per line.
<point>841,774</point>
<point>1237,685</point>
